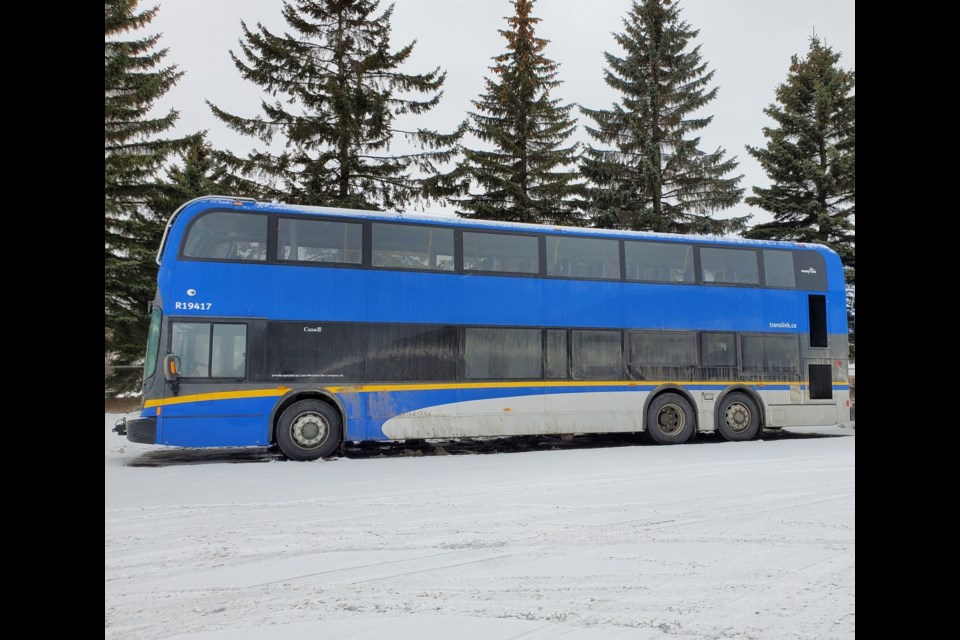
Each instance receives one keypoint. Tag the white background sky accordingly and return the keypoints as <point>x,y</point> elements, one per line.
<point>747,42</point>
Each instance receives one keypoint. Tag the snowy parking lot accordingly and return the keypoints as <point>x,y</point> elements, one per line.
<point>602,538</point>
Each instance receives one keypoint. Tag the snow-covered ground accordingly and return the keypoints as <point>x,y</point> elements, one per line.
<point>541,540</point>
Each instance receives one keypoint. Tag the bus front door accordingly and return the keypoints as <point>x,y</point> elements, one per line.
<point>206,405</point>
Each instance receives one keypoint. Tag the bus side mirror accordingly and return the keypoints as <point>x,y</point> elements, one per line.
<point>171,371</point>
<point>171,368</point>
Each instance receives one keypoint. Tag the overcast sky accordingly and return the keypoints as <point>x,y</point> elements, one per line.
<point>747,42</point>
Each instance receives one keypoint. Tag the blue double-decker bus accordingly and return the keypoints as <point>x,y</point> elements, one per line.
<point>306,327</point>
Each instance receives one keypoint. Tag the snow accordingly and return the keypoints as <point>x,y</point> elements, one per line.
<point>602,539</point>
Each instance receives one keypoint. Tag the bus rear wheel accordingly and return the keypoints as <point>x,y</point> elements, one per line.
<point>739,417</point>
<point>670,419</point>
<point>309,430</point>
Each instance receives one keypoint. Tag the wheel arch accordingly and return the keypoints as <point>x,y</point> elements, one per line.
<point>305,393</point>
<point>665,388</point>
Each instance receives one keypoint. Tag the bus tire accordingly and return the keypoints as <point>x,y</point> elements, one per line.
<point>670,419</point>
<point>738,418</point>
<point>309,430</point>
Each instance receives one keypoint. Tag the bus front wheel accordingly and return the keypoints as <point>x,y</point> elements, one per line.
<point>309,430</point>
<point>739,417</point>
<point>670,419</point>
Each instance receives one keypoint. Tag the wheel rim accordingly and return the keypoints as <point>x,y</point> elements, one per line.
<point>738,417</point>
<point>671,419</point>
<point>309,430</point>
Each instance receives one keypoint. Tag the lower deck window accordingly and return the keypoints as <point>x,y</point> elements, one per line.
<point>411,352</point>
<point>399,352</point>
<point>677,348</point>
<point>596,355</point>
<point>210,350</point>
<point>719,349</point>
<point>556,354</point>
<point>493,354</point>
<point>770,353</point>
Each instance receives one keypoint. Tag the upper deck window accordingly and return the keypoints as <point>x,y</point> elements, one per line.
<point>500,252</point>
<point>304,240</point>
<point>778,269</point>
<point>583,257</point>
<point>412,247</point>
<point>729,266</point>
<point>659,261</point>
<point>226,235</point>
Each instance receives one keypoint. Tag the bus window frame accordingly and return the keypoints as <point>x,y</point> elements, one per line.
<point>757,252</point>
<point>460,267</point>
<point>366,242</point>
<point>273,244</point>
<point>270,249</point>
<point>211,321</point>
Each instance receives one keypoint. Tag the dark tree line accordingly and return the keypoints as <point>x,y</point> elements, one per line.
<point>337,98</point>
<point>135,150</point>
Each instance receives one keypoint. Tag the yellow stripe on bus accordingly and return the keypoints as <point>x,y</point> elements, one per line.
<point>219,395</point>
<point>373,388</point>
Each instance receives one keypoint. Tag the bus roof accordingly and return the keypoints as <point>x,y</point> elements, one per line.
<point>249,204</point>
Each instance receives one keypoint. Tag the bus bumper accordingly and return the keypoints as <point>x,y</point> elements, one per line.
<point>142,430</point>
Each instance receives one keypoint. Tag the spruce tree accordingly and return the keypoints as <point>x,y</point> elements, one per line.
<point>134,150</point>
<point>656,177</point>
<point>810,156</point>
<point>524,178</point>
<point>199,171</point>
<point>337,91</point>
